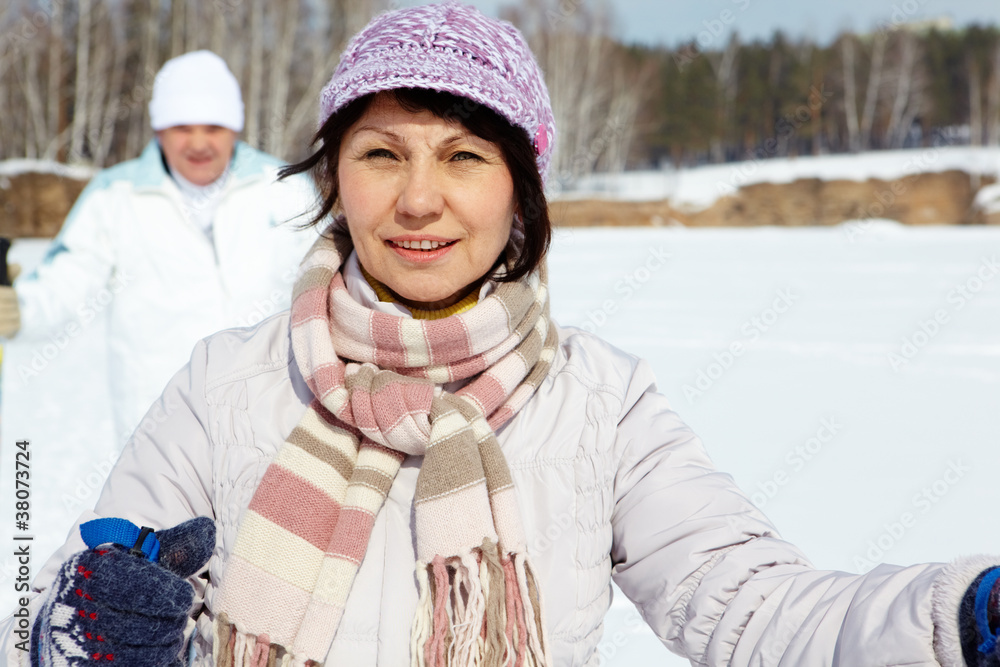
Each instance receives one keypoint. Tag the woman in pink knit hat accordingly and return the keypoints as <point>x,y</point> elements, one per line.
<point>415,465</point>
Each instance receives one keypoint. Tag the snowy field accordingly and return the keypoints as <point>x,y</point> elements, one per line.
<point>848,377</point>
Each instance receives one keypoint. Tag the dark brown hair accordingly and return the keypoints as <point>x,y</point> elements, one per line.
<point>533,231</point>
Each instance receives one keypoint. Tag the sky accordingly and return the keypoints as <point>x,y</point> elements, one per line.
<point>672,22</point>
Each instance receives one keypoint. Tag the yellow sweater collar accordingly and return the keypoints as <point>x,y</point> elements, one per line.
<point>385,296</point>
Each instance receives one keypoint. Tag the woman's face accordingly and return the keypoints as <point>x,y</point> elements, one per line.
<point>429,205</point>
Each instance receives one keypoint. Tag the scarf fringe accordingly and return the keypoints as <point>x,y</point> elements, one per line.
<point>480,609</point>
<point>234,648</point>
<point>471,609</point>
<point>423,619</point>
<point>537,644</point>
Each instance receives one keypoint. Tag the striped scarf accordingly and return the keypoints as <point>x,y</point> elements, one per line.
<point>375,380</point>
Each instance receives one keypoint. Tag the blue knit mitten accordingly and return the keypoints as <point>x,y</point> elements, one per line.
<point>110,605</point>
<point>979,620</point>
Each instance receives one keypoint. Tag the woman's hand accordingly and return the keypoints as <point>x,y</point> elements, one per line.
<point>108,605</point>
<point>979,620</point>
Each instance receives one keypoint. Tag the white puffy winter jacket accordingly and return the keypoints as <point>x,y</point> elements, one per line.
<point>128,252</point>
<point>611,483</point>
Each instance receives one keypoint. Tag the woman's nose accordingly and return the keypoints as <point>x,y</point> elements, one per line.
<point>421,195</point>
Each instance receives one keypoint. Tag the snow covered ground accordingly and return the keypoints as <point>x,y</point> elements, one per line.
<point>28,166</point>
<point>848,377</point>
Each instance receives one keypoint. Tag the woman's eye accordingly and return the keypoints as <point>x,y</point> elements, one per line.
<point>378,153</point>
<point>462,156</point>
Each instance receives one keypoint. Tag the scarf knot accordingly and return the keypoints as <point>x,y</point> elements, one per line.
<point>390,409</point>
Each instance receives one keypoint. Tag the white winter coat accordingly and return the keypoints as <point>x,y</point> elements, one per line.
<point>128,252</point>
<point>611,483</point>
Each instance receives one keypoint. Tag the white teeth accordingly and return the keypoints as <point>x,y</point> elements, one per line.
<point>420,245</point>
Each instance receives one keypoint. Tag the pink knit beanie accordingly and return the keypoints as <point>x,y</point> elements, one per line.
<point>454,49</point>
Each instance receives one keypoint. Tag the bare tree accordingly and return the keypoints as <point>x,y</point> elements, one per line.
<point>7,67</point>
<point>726,81</point>
<point>81,87</point>
<point>337,21</point>
<point>908,101</point>
<point>993,101</point>
<point>177,27</point>
<point>196,32</point>
<point>975,104</point>
<point>279,82</point>
<point>55,101</point>
<point>138,127</point>
<point>86,83</point>
<point>218,37</point>
<point>850,92</point>
<point>107,112</point>
<point>302,118</point>
<point>594,98</point>
<point>36,131</point>
<point>859,130</point>
<point>627,98</point>
<point>873,90</point>
<point>98,90</point>
<point>253,95</point>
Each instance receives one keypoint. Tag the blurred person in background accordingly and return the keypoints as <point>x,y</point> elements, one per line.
<point>187,239</point>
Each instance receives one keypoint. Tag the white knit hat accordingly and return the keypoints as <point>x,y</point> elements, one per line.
<point>196,88</point>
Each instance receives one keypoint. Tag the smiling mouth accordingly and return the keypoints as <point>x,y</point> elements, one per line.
<point>425,244</point>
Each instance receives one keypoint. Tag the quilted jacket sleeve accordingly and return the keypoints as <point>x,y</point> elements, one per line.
<point>163,477</point>
<point>79,263</point>
<point>717,584</point>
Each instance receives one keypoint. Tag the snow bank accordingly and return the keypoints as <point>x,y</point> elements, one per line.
<point>988,199</point>
<point>699,187</point>
<point>10,168</point>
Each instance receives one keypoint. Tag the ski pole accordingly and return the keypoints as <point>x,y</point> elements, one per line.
<point>4,280</point>
<point>4,247</point>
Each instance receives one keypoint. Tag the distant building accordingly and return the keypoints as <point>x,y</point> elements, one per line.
<point>900,21</point>
<point>940,23</point>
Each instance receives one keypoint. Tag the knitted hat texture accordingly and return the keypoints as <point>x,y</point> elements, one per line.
<point>196,88</point>
<point>451,48</point>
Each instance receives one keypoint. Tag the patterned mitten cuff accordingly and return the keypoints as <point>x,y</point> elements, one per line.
<point>957,636</point>
<point>109,605</point>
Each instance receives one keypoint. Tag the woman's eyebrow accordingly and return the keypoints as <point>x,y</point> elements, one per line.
<point>455,138</point>
<point>379,130</point>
